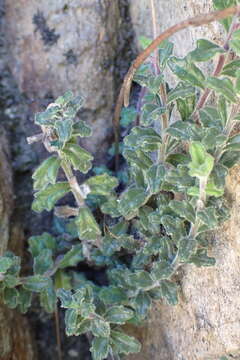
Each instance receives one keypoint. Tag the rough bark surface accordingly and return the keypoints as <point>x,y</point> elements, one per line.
<point>60,45</point>
<point>15,340</point>
<point>205,324</point>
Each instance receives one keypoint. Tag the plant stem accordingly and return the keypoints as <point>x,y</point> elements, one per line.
<point>73,183</point>
<point>58,336</point>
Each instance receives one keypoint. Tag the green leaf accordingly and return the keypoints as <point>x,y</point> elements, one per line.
<point>112,295</point>
<point>212,138</point>
<point>213,190</point>
<point>100,348</point>
<point>202,163</point>
<point>172,224</point>
<point>208,217</point>
<point>130,201</point>
<point>65,98</point>
<point>5,263</point>
<point>124,344</point>
<point>71,320</point>
<point>81,129</point>
<point>219,175</point>
<point>181,91</point>
<point>151,112</point>
<point>102,184</point>
<point>191,76</point>
<point>184,131</point>
<point>45,199</point>
<point>222,109</point>
<point>223,87</point>
<point>164,53</point>
<point>110,207</point>
<point>230,158</point>
<point>202,259</point>
<point>72,257</point>
<point>36,283</point>
<point>10,297</point>
<point>237,84</point>
<point>100,328</point>
<point>87,226</point>
<point>73,106</point>
<point>11,281</point>
<point>128,116</point>
<point>142,304</point>
<point>41,242</point>
<point>138,158</point>
<point>205,51</point>
<point>155,177</point>
<point>83,327</point>
<point>43,262</point>
<point>186,107</point>
<point>210,117</point>
<point>231,68</point>
<point>66,297</point>
<point>144,41</point>
<point>146,139</point>
<point>235,42</point>
<point>183,209</point>
<point>140,279</point>
<point>48,299</point>
<point>49,116</point>
<point>80,158</point>
<point>64,130</point>
<point>118,315</point>
<point>46,173</point>
<point>24,299</point>
<point>187,247</point>
<point>169,291</point>
<point>162,270</point>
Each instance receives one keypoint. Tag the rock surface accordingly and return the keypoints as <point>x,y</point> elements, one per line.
<point>205,324</point>
<point>60,45</point>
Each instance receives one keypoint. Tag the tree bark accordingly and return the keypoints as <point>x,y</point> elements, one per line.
<point>15,337</point>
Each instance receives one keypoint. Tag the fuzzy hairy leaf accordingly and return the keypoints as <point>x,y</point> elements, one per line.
<point>130,201</point>
<point>118,314</point>
<point>124,344</point>
<point>46,173</point>
<point>205,51</point>
<point>100,328</point>
<point>43,262</point>
<point>202,163</point>
<point>102,184</point>
<point>100,348</point>
<point>80,158</point>
<point>81,129</point>
<point>72,257</point>
<point>222,87</point>
<point>87,226</point>
<point>5,263</point>
<point>45,199</point>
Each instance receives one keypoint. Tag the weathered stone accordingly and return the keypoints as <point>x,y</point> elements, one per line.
<point>59,45</point>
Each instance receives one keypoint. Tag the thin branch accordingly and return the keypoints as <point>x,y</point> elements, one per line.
<point>196,21</point>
